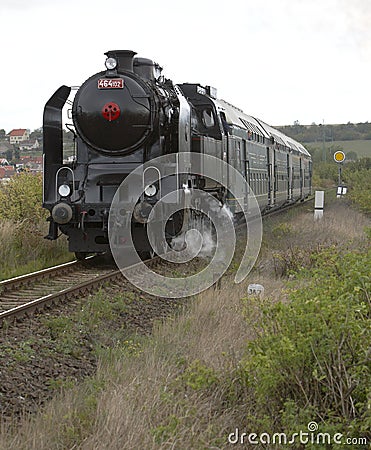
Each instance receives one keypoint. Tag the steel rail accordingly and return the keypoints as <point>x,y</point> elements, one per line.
<point>13,283</point>
<point>82,288</point>
<point>62,295</point>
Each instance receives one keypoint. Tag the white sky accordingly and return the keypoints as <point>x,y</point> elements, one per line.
<point>278,60</point>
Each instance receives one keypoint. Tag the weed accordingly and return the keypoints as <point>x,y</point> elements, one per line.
<point>58,326</point>
<point>22,352</point>
<point>282,229</point>
<point>163,432</point>
<point>59,384</point>
<point>198,376</point>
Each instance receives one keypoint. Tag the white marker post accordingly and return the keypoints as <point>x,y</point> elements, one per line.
<point>255,289</point>
<point>319,201</point>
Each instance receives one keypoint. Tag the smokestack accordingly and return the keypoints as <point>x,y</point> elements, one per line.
<point>124,58</point>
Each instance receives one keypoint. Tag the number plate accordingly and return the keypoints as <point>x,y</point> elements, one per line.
<point>110,83</point>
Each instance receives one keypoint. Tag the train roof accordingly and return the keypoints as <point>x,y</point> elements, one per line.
<point>286,140</point>
<point>236,117</point>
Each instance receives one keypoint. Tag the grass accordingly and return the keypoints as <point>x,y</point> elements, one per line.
<point>23,248</point>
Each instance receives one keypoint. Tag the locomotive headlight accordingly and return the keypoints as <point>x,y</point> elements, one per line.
<point>64,190</point>
<point>110,63</point>
<point>150,190</point>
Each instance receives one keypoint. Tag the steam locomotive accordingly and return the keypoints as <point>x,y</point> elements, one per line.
<point>130,114</point>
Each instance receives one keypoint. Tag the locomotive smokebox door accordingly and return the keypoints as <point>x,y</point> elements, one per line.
<point>113,115</point>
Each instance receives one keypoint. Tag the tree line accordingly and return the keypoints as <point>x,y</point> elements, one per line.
<point>327,133</point>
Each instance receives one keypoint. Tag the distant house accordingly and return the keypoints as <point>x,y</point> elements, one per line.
<point>29,145</point>
<point>4,162</point>
<point>19,135</point>
<point>32,163</point>
<point>6,172</point>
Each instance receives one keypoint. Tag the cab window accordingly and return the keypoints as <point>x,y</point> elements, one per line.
<point>208,118</point>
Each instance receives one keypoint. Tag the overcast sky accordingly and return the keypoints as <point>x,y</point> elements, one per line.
<point>278,60</point>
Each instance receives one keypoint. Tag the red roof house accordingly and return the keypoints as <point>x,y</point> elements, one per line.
<point>6,172</point>
<point>19,135</point>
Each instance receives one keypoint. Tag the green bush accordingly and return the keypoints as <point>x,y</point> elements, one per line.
<point>324,174</point>
<point>356,175</point>
<point>23,227</point>
<point>359,183</point>
<point>311,360</point>
<point>21,197</point>
<point>198,376</point>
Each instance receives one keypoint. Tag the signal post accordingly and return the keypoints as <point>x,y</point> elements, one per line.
<point>339,158</point>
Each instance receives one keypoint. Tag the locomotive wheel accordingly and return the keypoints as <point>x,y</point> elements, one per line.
<point>80,256</point>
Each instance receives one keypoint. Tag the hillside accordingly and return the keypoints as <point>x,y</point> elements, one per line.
<point>328,133</point>
<point>353,139</point>
<point>362,148</point>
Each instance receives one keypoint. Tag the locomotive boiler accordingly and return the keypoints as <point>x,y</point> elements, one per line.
<point>130,114</point>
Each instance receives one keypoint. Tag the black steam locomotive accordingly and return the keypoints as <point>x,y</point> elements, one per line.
<point>129,114</point>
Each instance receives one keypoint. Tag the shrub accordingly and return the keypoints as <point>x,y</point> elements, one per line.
<point>324,174</point>
<point>312,360</point>
<point>360,188</point>
<point>23,226</point>
<point>21,197</point>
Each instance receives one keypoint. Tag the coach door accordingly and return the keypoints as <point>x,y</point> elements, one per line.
<point>288,183</point>
<point>243,160</point>
<point>271,176</point>
<point>291,180</point>
<point>245,168</point>
<point>301,179</point>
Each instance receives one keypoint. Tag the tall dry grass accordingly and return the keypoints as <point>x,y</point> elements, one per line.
<point>289,245</point>
<point>23,248</point>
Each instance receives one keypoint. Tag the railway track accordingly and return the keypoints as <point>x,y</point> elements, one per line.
<point>32,292</point>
